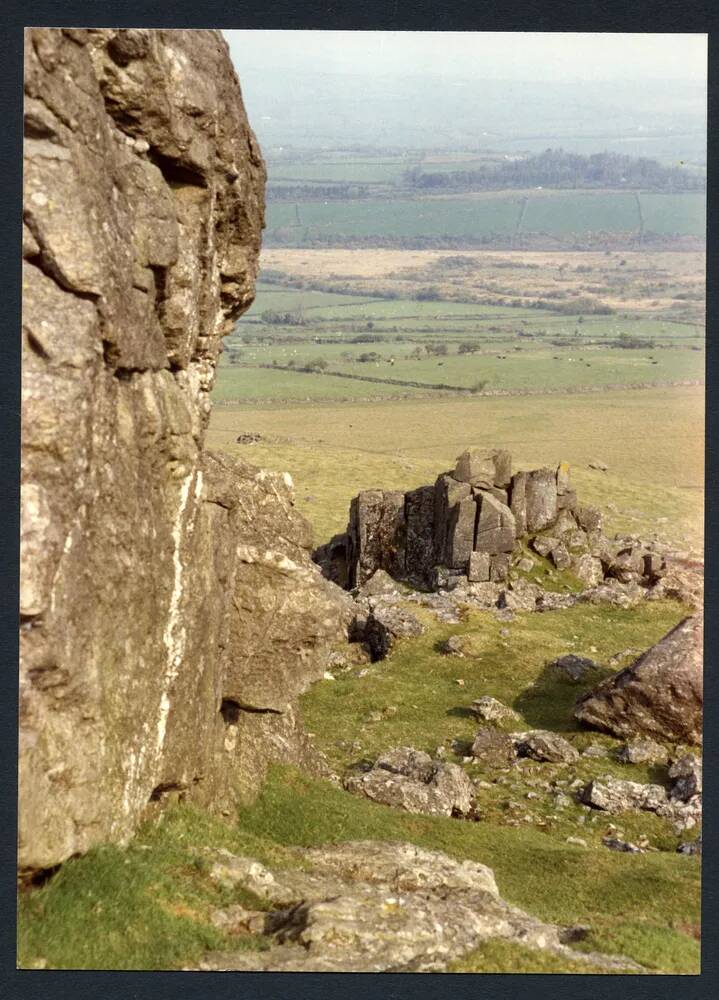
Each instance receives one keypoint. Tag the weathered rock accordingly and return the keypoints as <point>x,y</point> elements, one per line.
<point>642,751</point>
<point>691,847</point>
<point>377,532</point>
<point>544,544</point>
<point>419,545</point>
<point>385,623</point>
<point>143,212</point>
<point>454,646</point>
<point>680,584</point>
<point>380,584</point>
<point>521,595</point>
<point>685,776</point>
<point>460,533</point>
<point>518,501</point>
<point>628,564</point>
<point>589,518</point>
<point>484,468</point>
<point>614,795</point>
<point>574,668</point>
<point>447,493</point>
<point>560,556</point>
<point>491,710</point>
<point>332,558</point>
<point>478,568</point>
<point>544,746</point>
<point>588,569</point>
<point>499,567</point>
<point>409,779</point>
<point>541,499</point>
<point>525,564</point>
<point>626,846</point>
<point>596,463</point>
<point>493,748</point>
<point>369,906</point>
<point>496,528</point>
<point>660,695</point>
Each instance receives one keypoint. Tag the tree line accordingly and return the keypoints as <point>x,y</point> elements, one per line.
<point>557,168</point>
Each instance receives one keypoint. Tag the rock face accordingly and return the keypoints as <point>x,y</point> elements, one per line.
<point>367,906</point>
<point>660,695</point>
<point>473,526</point>
<point>163,590</point>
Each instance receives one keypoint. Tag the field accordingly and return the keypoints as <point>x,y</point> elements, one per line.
<point>418,323</point>
<point>564,216</point>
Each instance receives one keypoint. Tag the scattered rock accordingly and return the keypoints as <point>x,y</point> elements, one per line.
<point>595,750</point>
<point>660,695</point>
<point>691,847</point>
<point>542,745</point>
<point>386,623</point>
<point>577,841</point>
<point>409,779</point>
<point>249,437</point>
<point>685,776</point>
<point>453,646</point>
<point>574,668</point>
<point>525,564</point>
<point>378,585</point>
<point>614,795</point>
<point>494,748</point>
<point>597,464</point>
<point>642,751</point>
<point>614,844</point>
<point>489,709</point>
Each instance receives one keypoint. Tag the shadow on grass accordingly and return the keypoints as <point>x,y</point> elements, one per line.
<point>461,712</point>
<point>548,703</point>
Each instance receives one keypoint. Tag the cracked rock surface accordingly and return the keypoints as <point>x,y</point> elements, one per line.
<point>369,906</point>
<point>170,612</point>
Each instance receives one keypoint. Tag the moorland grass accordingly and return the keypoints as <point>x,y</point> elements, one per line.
<point>651,440</point>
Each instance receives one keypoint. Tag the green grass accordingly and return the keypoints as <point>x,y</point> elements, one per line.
<point>432,710</point>
<point>615,894</point>
<point>146,906</point>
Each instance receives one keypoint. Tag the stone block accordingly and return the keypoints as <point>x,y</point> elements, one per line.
<point>478,568</point>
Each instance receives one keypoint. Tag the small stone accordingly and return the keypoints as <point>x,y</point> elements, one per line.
<point>493,747</point>
<point>642,751</point>
<point>577,841</point>
<point>545,746</point>
<point>574,668</point>
<point>491,710</point>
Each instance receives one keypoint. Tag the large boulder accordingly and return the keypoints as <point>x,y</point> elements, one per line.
<point>164,592</point>
<point>660,695</point>
<point>496,525</point>
<point>369,906</point>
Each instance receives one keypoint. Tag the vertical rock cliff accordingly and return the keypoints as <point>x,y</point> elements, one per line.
<point>169,609</point>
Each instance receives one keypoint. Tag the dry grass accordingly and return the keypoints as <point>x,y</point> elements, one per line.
<point>652,441</point>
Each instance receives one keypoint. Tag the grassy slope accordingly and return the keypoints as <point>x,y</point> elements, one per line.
<point>148,906</point>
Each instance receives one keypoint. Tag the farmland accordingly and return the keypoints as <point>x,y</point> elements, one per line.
<point>529,351</point>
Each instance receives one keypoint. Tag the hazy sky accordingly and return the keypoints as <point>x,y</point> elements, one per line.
<point>489,55</point>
